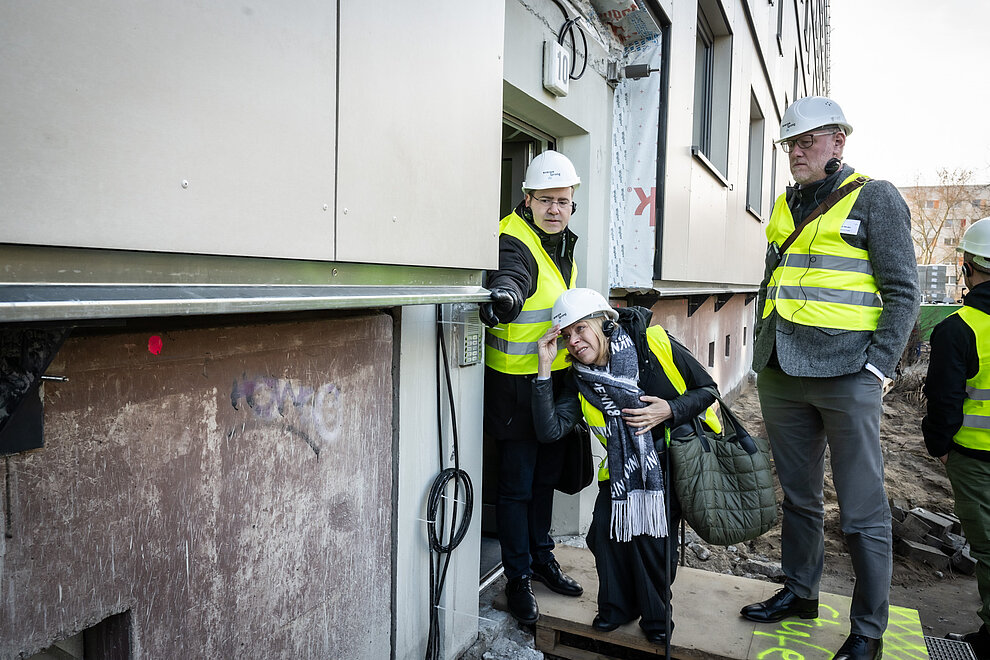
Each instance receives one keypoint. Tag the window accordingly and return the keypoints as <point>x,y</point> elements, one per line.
<point>713,66</point>
<point>780,27</point>
<point>728,344</point>
<point>977,203</point>
<point>711,354</point>
<point>950,241</point>
<point>931,203</point>
<point>754,176</point>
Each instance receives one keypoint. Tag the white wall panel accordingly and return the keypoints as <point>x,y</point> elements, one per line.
<point>106,108</point>
<point>420,102</point>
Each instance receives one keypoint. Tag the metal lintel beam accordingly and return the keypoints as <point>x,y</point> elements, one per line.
<point>64,302</point>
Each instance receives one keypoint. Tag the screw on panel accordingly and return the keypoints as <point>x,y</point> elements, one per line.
<point>185,184</point>
<point>326,206</point>
<point>334,272</point>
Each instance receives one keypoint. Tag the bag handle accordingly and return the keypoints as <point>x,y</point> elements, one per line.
<point>741,435</point>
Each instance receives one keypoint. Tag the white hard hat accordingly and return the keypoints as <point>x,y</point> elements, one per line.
<point>976,241</point>
<point>576,304</point>
<point>810,113</point>
<point>551,169</point>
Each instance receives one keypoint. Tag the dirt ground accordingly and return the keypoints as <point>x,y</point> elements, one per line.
<point>945,601</point>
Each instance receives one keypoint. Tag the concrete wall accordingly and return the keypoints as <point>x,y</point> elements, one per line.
<point>232,493</point>
<point>707,329</point>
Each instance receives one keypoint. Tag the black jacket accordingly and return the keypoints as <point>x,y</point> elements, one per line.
<point>555,418</point>
<point>952,361</point>
<point>507,396</point>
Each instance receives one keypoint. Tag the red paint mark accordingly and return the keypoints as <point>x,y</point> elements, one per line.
<point>155,344</point>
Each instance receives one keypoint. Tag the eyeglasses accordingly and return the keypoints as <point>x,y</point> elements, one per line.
<point>805,141</point>
<point>562,204</point>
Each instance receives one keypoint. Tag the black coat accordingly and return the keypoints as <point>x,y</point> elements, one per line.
<point>554,418</point>
<point>953,360</point>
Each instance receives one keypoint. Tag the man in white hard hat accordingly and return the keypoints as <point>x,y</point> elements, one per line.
<point>957,426</point>
<point>536,264</point>
<point>838,300</point>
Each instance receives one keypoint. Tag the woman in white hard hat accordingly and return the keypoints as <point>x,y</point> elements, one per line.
<point>628,380</point>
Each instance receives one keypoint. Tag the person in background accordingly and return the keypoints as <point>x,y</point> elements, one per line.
<point>630,382</point>
<point>957,426</point>
<point>838,300</point>
<point>535,264</point>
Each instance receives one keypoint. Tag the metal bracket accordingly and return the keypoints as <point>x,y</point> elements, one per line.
<point>750,297</point>
<point>695,302</point>
<point>721,299</point>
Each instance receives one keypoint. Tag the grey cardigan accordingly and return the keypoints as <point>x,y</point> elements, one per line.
<point>885,233</point>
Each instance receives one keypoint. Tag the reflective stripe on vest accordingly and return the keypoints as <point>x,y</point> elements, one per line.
<point>660,345</point>
<point>821,280</point>
<point>975,430</point>
<point>511,347</point>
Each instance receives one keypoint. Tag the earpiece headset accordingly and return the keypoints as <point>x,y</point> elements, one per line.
<point>967,270</point>
<point>608,327</point>
<point>832,166</point>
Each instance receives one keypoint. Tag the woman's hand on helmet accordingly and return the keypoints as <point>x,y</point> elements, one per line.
<point>657,411</point>
<point>547,349</point>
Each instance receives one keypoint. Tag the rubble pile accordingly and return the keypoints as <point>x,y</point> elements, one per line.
<point>930,538</point>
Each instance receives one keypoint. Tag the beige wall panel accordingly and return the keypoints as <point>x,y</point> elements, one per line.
<point>419,153</point>
<point>233,493</point>
<point>108,107</point>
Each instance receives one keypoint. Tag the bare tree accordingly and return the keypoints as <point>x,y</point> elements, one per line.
<point>941,213</point>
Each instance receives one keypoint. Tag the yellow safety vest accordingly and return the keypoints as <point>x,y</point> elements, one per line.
<point>659,343</point>
<point>975,430</point>
<point>821,280</point>
<point>511,347</point>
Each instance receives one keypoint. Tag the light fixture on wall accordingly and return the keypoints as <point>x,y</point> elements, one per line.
<point>615,73</point>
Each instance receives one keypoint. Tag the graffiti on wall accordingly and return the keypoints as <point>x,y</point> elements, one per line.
<point>312,413</point>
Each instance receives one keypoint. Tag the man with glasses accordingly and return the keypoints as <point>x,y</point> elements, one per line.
<point>838,300</point>
<point>536,264</point>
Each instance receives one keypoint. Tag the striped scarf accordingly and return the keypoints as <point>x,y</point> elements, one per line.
<point>633,465</point>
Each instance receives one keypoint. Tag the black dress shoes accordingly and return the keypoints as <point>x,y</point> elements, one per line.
<point>979,641</point>
<point>858,647</point>
<point>657,637</point>
<point>780,606</point>
<point>522,602</point>
<point>602,625</point>
<point>555,579</point>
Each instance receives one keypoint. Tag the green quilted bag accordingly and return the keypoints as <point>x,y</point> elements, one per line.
<point>724,481</point>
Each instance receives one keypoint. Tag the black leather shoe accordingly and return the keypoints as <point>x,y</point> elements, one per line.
<point>979,641</point>
<point>780,606</point>
<point>859,647</point>
<point>658,637</point>
<point>555,579</point>
<point>522,602</point>
<point>602,625</point>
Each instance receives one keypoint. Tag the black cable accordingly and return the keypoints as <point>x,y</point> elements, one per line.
<point>436,505</point>
<point>568,27</point>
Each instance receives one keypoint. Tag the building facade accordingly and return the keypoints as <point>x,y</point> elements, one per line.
<point>244,247</point>
<point>940,215</point>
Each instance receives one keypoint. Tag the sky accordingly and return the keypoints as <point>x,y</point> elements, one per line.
<point>913,79</point>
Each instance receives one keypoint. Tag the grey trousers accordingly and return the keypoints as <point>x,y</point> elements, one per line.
<point>802,415</point>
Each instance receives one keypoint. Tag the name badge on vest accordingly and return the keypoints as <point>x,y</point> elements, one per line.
<point>850,226</point>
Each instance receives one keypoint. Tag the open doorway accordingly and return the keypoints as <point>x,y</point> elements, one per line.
<point>520,144</point>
